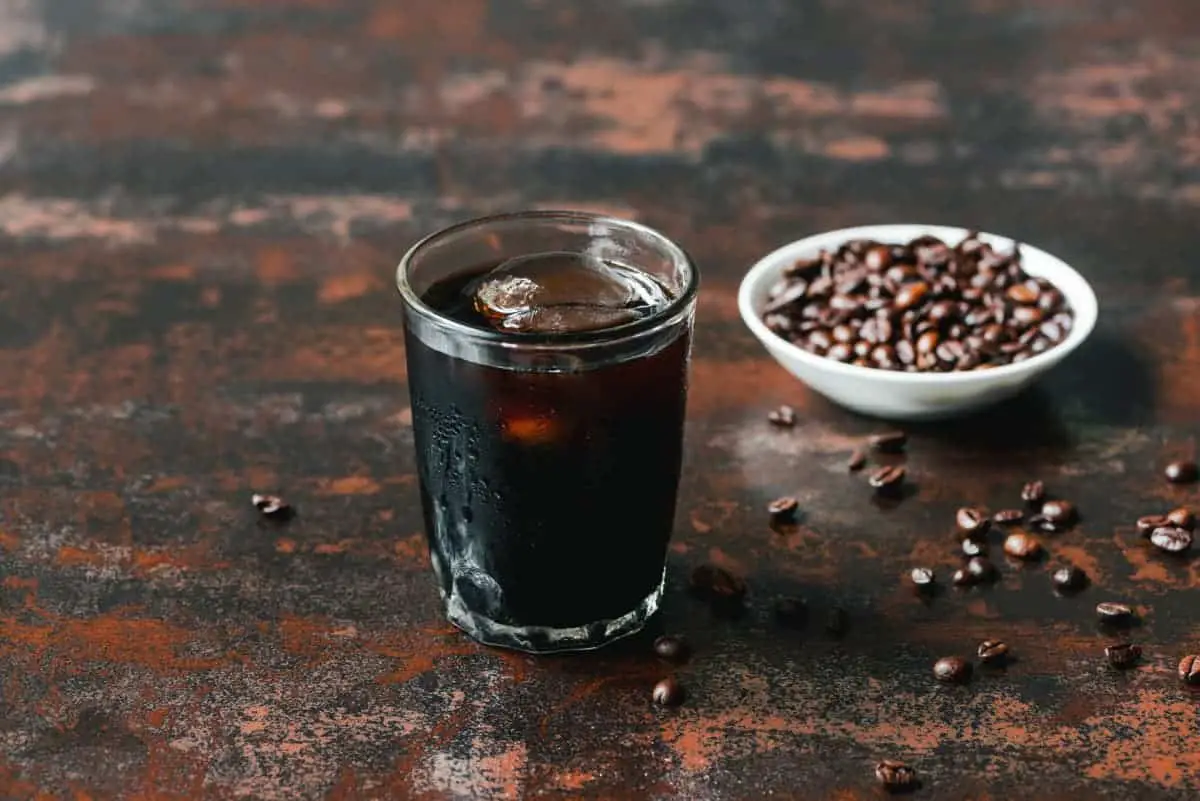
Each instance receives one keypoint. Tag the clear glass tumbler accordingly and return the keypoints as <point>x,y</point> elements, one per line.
<point>548,462</point>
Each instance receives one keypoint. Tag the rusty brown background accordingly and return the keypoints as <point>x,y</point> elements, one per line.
<point>201,202</point>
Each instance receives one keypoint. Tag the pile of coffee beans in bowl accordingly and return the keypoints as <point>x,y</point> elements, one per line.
<point>924,306</point>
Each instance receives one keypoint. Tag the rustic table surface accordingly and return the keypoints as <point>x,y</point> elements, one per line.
<point>202,203</point>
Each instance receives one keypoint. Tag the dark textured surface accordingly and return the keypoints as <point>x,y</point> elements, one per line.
<point>200,205</point>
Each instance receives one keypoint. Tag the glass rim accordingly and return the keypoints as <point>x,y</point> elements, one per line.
<point>668,315</point>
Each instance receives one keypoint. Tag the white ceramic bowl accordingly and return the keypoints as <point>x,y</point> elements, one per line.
<point>912,396</point>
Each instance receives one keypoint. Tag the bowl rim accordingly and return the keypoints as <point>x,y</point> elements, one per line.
<point>1082,299</point>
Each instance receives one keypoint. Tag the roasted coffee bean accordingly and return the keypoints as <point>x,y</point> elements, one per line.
<point>840,352</point>
<point>1147,524</point>
<point>1033,493</point>
<point>972,521</point>
<point>784,294</point>
<point>1026,316</point>
<point>1008,517</point>
<point>922,578</point>
<point>992,652</point>
<point>836,622</point>
<point>805,268</point>
<point>889,441</point>
<point>712,583</point>
<point>784,417</point>
<point>981,569</point>
<point>843,334</point>
<point>1050,300</point>
<point>943,309</point>
<point>1020,545</point>
<point>780,325</point>
<point>879,257</point>
<point>952,670</point>
<point>884,357</point>
<point>672,648</point>
<point>895,777</point>
<point>973,547</point>
<point>272,506</point>
<point>1182,472</point>
<point>1115,613</point>
<point>951,352</point>
<point>1182,517</point>
<point>927,343</point>
<point>1189,670</point>
<point>1023,293</point>
<point>857,461</point>
<point>1123,655</point>
<point>924,306</point>
<point>1069,579</point>
<point>668,692</point>
<point>876,331</point>
<point>1171,539</point>
<point>910,295</point>
<point>1060,513</point>
<point>1040,523</point>
<point>1051,331</point>
<point>887,479</point>
<point>791,612</point>
<point>783,510</point>
<point>963,578</point>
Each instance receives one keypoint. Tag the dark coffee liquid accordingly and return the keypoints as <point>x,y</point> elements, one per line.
<point>548,497</point>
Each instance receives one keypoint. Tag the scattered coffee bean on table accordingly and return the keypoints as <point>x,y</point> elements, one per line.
<point>993,652</point>
<point>1182,517</point>
<point>1181,472</point>
<point>784,417</point>
<point>791,612</point>
<point>1008,517</point>
<point>1040,523</point>
<point>889,441</point>
<point>272,506</point>
<point>1020,545</point>
<point>712,583</point>
<point>972,521</point>
<point>1069,579</point>
<point>1123,655</point>
<point>922,578</point>
<point>923,306</point>
<point>1033,493</point>
<point>672,648</point>
<point>1189,670</point>
<point>963,578</point>
<point>668,692</point>
<point>972,547</point>
<point>887,480</point>
<point>1060,513</point>
<point>1171,539</point>
<point>1112,612</point>
<point>895,776</point>
<point>1147,524</point>
<point>952,670</point>
<point>857,461</point>
<point>783,510</point>
<point>981,569</point>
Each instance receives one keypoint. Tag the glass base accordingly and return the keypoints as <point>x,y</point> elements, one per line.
<point>547,640</point>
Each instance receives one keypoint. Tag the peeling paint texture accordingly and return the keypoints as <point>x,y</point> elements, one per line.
<point>201,206</point>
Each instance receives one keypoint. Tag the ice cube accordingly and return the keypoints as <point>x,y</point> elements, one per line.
<point>562,292</point>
